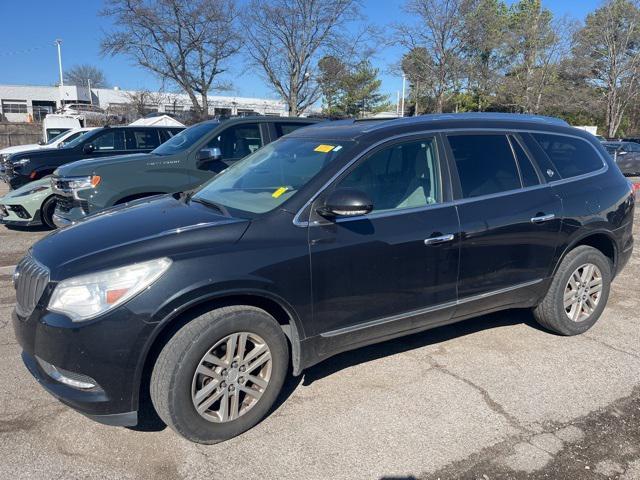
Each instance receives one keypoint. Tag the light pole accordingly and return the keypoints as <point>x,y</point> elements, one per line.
<point>58,43</point>
<point>404,78</point>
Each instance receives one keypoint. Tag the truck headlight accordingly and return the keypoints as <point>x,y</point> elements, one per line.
<point>82,183</point>
<point>87,296</point>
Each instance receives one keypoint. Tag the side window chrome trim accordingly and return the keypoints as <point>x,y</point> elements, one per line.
<point>605,167</point>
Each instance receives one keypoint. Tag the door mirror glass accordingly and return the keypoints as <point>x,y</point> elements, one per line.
<point>346,202</point>
<point>208,155</point>
<point>88,148</point>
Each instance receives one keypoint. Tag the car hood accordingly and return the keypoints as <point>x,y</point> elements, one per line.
<point>148,228</point>
<point>19,193</point>
<point>20,148</point>
<point>88,166</point>
<point>41,153</point>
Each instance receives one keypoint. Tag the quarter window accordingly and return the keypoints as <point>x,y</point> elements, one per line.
<point>401,176</point>
<point>571,156</point>
<point>485,164</point>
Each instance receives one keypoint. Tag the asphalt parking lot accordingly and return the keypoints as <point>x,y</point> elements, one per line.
<point>493,397</point>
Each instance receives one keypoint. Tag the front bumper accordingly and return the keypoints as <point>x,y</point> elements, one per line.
<point>69,211</point>
<point>107,350</point>
<point>9,217</point>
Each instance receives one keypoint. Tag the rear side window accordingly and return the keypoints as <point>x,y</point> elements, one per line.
<point>146,139</point>
<point>109,140</point>
<point>527,170</point>
<point>485,164</point>
<point>287,128</point>
<point>571,156</point>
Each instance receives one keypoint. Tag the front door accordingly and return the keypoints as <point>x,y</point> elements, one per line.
<point>510,222</point>
<point>394,269</point>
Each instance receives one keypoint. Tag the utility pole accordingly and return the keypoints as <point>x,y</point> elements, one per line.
<point>58,43</point>
<point>397,103</point>
<point>90,94</point>
<point>404,78</point>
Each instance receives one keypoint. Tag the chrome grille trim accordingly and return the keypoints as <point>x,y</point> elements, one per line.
<point>30,278</point>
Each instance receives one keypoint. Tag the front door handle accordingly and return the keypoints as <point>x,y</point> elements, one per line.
<point>543,218</point>
<point>440,239</point>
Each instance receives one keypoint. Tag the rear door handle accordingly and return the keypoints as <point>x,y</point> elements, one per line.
<point>543,218</point>
<point>440,239</point>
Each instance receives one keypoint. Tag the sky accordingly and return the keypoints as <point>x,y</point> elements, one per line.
<point>29,27</point>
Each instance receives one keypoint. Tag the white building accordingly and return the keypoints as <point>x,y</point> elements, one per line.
<point>23,103</point>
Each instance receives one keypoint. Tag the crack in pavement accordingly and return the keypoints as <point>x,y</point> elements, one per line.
<point>609,346</point>
<point>486,397</point>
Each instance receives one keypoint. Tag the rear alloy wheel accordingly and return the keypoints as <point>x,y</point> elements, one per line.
<point>220,374</point>
<point>578,293</point>
<point>583,292</point>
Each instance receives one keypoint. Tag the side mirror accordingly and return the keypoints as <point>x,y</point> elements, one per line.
<point>346,202</point>
<point>208,155</point>
<point>88,148</point>
<point>41,142</point>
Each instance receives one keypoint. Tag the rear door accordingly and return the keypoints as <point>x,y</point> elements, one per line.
<point>510,220</point>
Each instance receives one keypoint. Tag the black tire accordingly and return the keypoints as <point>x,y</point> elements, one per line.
<point>171,380</point>
<point>46,212</point>
<point>550,313</point>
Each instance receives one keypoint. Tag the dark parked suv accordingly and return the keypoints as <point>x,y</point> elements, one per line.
<point>182,163</point>
<point>339,235</point>
<point>21,168</point>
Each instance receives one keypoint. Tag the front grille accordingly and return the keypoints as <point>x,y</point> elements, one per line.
<point>30,279</point>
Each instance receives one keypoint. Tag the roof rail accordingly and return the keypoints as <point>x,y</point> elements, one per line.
<point>513,117</point>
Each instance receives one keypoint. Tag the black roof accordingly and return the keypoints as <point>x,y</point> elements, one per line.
<point>355,129</point>
<point>261,118</point>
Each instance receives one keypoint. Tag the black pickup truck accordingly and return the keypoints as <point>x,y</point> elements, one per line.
<point>24,167</point>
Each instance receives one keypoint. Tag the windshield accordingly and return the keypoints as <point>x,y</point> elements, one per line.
<point>57,137</point>
<point>612,147</point>
<point>81,138</point>
<point>265,179</point>
<point>185,139</point>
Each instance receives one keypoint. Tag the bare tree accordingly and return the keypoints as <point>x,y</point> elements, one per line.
<point>535,47</point>
<point>186,41</point>
<point>609,47</point>
<point>436,44</point>
<point>286,38</point>
<point>78,75</point>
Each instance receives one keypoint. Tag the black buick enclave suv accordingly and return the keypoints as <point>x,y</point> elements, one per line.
<point>336,236</point>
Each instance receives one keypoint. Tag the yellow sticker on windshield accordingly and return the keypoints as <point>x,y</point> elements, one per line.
<point>324,148</point>
<point>279,192</point>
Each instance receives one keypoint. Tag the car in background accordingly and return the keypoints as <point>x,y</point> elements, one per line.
<point>91,113</point>
<point>30,205</point>
<point>184,162</point>
<point>24,167</point>
<point>56,142</point>
<point>626,156</point>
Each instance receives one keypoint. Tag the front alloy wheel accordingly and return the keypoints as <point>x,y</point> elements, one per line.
<point>231,377</point>
<point>220,374</point>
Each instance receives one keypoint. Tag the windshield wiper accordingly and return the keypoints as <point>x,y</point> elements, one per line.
<point>216,206</point>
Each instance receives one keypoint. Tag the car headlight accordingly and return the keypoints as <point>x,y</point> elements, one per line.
<point>87,296</point>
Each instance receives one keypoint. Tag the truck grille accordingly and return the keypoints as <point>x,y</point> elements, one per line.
<point>30,280</point>
<point>64,203</point>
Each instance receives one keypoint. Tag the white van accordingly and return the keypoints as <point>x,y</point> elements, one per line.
<point>55,123</point>
<point>56,142</point>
